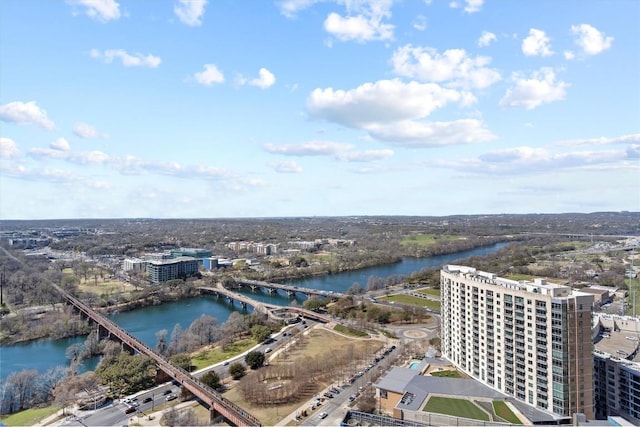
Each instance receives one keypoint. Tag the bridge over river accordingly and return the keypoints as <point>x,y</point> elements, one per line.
<point>216,403</point>
<point>290,290</point>
<point>276,312</point>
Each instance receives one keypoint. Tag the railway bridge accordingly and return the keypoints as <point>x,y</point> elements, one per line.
<point>215,401</point>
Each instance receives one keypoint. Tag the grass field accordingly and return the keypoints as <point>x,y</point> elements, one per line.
<point>348,331</point>
<point>446,374</point>
<point>455,407</point>
<point>411,300</point>
<point>29,417</point>
<point>502,410</point>
<point>211,357</point>
<point>429,291</point>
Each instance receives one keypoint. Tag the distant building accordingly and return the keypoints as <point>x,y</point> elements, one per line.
<point>530,340</point>
<point>190,252</point>
<point>210,263</point>
<point>157,256</point>
<point>171,269</point>
<point>134,264</point>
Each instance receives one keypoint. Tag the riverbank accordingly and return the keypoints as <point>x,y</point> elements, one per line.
<point>157,295</point>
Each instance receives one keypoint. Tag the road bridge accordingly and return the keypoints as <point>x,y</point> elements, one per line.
<point>288,289</point>
<point>214,400</point>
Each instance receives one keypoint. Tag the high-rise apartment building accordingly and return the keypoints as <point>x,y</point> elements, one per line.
<point>530,340</point>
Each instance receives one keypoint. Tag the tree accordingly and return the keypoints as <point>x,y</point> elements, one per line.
<point>205,328</point>
<point>20,391</point>
<point>65,392</point>
<point>315,304</point>
<point>254,359</point>
<point>161,341</point>
<point>183,360</point>
<point>260,332</point>
<point>237,370</point>
<point>126,374</point>
<point>211,378</point>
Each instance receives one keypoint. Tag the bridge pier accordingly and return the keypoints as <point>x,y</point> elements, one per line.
<point>272,290</point>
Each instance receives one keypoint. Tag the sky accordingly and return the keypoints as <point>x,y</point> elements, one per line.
<point>285,108</point>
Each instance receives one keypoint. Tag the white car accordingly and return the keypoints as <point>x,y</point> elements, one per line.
<point>323,415</point>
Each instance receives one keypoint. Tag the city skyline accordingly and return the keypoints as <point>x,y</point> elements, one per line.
<point>184,109</point>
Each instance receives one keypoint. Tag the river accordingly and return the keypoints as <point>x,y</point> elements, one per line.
<point>145,322</point>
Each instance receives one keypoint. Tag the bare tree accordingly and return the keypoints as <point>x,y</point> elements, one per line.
<point>205,328</point>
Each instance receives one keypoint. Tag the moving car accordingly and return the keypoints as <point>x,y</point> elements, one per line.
<point>130,409</point>
<point>171,397</point>
<point>147,399</point>
<point>323,415</point>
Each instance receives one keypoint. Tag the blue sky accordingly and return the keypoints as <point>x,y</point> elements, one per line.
<point>259,108</point>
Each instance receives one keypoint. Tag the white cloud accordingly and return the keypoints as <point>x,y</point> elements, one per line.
<point>624,139</point>
<point>540,88</point>
<point>101,10</point>
<point>435,134</point>
<point>290,8</point>
<point>420,23</point>
<point>286,166</point>
<point>8,148</point>
<point>360,28</point>
<point>84,130</point>
<point>337,150</point>
<point>362,21</point>
<point>486,38</point>
<point>310,148</point>
<point>569,55</point>
<point>364,156</point>
<point>590,39</point>
<point>190,11</point>
<point>531,160</point>
<point>265,80</point>
<point>60,144</point>
<point>473,6</point>
<point>128,60</point>
<point>209,76</point>
<point>24,113</point>
<point>383,101</point>
<point>536,44</point>
<point>453,66</point>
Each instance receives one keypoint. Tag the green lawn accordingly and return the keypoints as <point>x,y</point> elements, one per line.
<point>29,417</point>
<point>502,410</point>
<point>429,291</point>
<point>349,331</point>
<point>211,357</point>
<point>411,300</point>
<point>446,374</point>
<point>455,407</point>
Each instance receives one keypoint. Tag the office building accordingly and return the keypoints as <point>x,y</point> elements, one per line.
<point>171,269</point>
<point>529,340</point>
